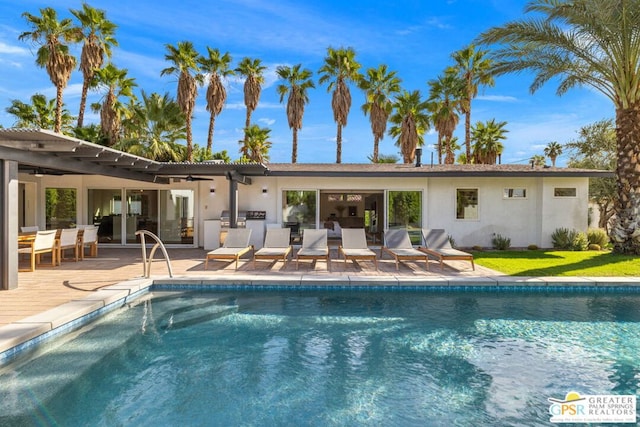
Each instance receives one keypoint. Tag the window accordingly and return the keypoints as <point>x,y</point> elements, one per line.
<point>60,208</point>
<point>564,192</point>
<point>515,193</point>
<point>105,211</point>
<point>467,203</point>
<point>405,211</point>
<point>299,209</point>
<point>176,216</point>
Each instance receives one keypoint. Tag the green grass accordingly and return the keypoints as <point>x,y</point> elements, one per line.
<point>559,263</point>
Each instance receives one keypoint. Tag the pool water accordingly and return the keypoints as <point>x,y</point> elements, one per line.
<point>322,358</point>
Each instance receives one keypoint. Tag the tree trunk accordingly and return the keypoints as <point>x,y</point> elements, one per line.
<point>625,230</point>
<point>339,144</point>
<point>212,123</point>
<point>59,105</point>
<point>376,143</point>
<point>83,103</point>
<point>467,133</point>
<point>189,141</point>
<point>294,148</point>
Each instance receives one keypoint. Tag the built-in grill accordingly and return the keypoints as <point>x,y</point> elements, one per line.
<point>225,219</point>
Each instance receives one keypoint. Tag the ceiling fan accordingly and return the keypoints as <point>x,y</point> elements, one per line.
<point>191,178</point>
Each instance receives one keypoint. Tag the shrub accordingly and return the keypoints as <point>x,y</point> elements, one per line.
<point>580,242</point>
<point>500,242</point>
<point>597,236</point>
<point>477,248</point>
<point>562,238</point>
<point>533,247</point>
<point>594,247</point>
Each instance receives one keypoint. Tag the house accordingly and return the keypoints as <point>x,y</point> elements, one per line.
<point>54,181</point>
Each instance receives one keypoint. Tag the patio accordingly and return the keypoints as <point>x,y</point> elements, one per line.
<point>49,287</point>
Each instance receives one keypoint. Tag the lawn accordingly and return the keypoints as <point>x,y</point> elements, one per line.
<point>559,263</point>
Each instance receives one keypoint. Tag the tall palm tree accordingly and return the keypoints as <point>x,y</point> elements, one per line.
<point>379,85</point>
<point>537,160</point>
<point>41,113</point>
<point>473,65</point>
<point>184,58</point>
<point>450,148</point>
<point>340,68</point>
<point>253,71</point>
<point>155,126</point>
<point>445,102</point>
<point>552,151</point>
<point>53,53</point>
<point>297,82</point>
<point>118,85</point>
<point>410,121</point>
<point>217,66</point>
<point>587,43</point>
<point>98,34</point>
<point>487,137</point>
<point>255,147</point>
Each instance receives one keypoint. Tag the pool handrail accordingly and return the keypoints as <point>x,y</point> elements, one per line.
<point>146,263</point>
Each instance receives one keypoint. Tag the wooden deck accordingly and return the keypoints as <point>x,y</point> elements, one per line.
<point>49,287</point>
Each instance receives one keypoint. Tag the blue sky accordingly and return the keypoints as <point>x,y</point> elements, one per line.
<point>414,38</point>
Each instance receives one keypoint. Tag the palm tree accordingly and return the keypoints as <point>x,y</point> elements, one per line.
<point>252,70</point>
<point>217,66</point>
<point>41,113</point>
<point>255,147</point>
<point>410,121</point>
<point>537,160</point>
<point>340,67</point>
<point>552,151</point>
<point>473,67</point>
<point>112,110</point>
<point>445,101</point>
<point>154,128</point>
<point>487,148</point>
<point>53,54</point>
<point>98,34</point>
<point>185,66</point>
<point>450,147</point>
<point>379,85</point>
<point>587,43</point>
<point>296,86</point>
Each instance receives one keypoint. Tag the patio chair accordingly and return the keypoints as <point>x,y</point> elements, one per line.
<point>398,244</point>
<point>438,246</point>
<point>68,240</point>
<point>90,240</point>
<point>276,245</point>
<point>235,245</point>
<point>314,246</point>
<point>354,246</point>
<point>44,242</point>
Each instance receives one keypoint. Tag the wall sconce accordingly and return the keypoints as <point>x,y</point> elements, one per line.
<point>264,191</point>
<point>212,191</point>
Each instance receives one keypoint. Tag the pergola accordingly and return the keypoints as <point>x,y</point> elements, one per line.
<point>40,151</point>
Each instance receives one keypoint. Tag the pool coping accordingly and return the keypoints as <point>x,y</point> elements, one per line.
<point>26,333</point>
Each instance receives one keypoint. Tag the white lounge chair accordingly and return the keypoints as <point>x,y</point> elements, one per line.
<point>276,245</point>
<point>354,246</point>
<point>314,246</point>
<point>437,245</point>
<point>398,244</point>
<point>44,242</point>
<point>235,245</point>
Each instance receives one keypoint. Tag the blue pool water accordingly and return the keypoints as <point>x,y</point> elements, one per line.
<point>323,358</point>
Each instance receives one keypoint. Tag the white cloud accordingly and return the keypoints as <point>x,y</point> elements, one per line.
<point>497,98</point>
<point>267,121</point>
<point>7,49</point>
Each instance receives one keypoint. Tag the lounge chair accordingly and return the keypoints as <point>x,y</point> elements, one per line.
<point>68,240</point>
<point>314,246</point>
<point>235,245</point>
<point>276,245</point>
<point>354,246</point>
<point>398,244</point>
<point>437,245</point>
<point>44,242</point>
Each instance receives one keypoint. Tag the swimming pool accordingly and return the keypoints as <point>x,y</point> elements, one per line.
<point>329,358</point>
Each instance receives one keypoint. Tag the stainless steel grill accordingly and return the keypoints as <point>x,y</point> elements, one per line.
<point>225,219</point>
